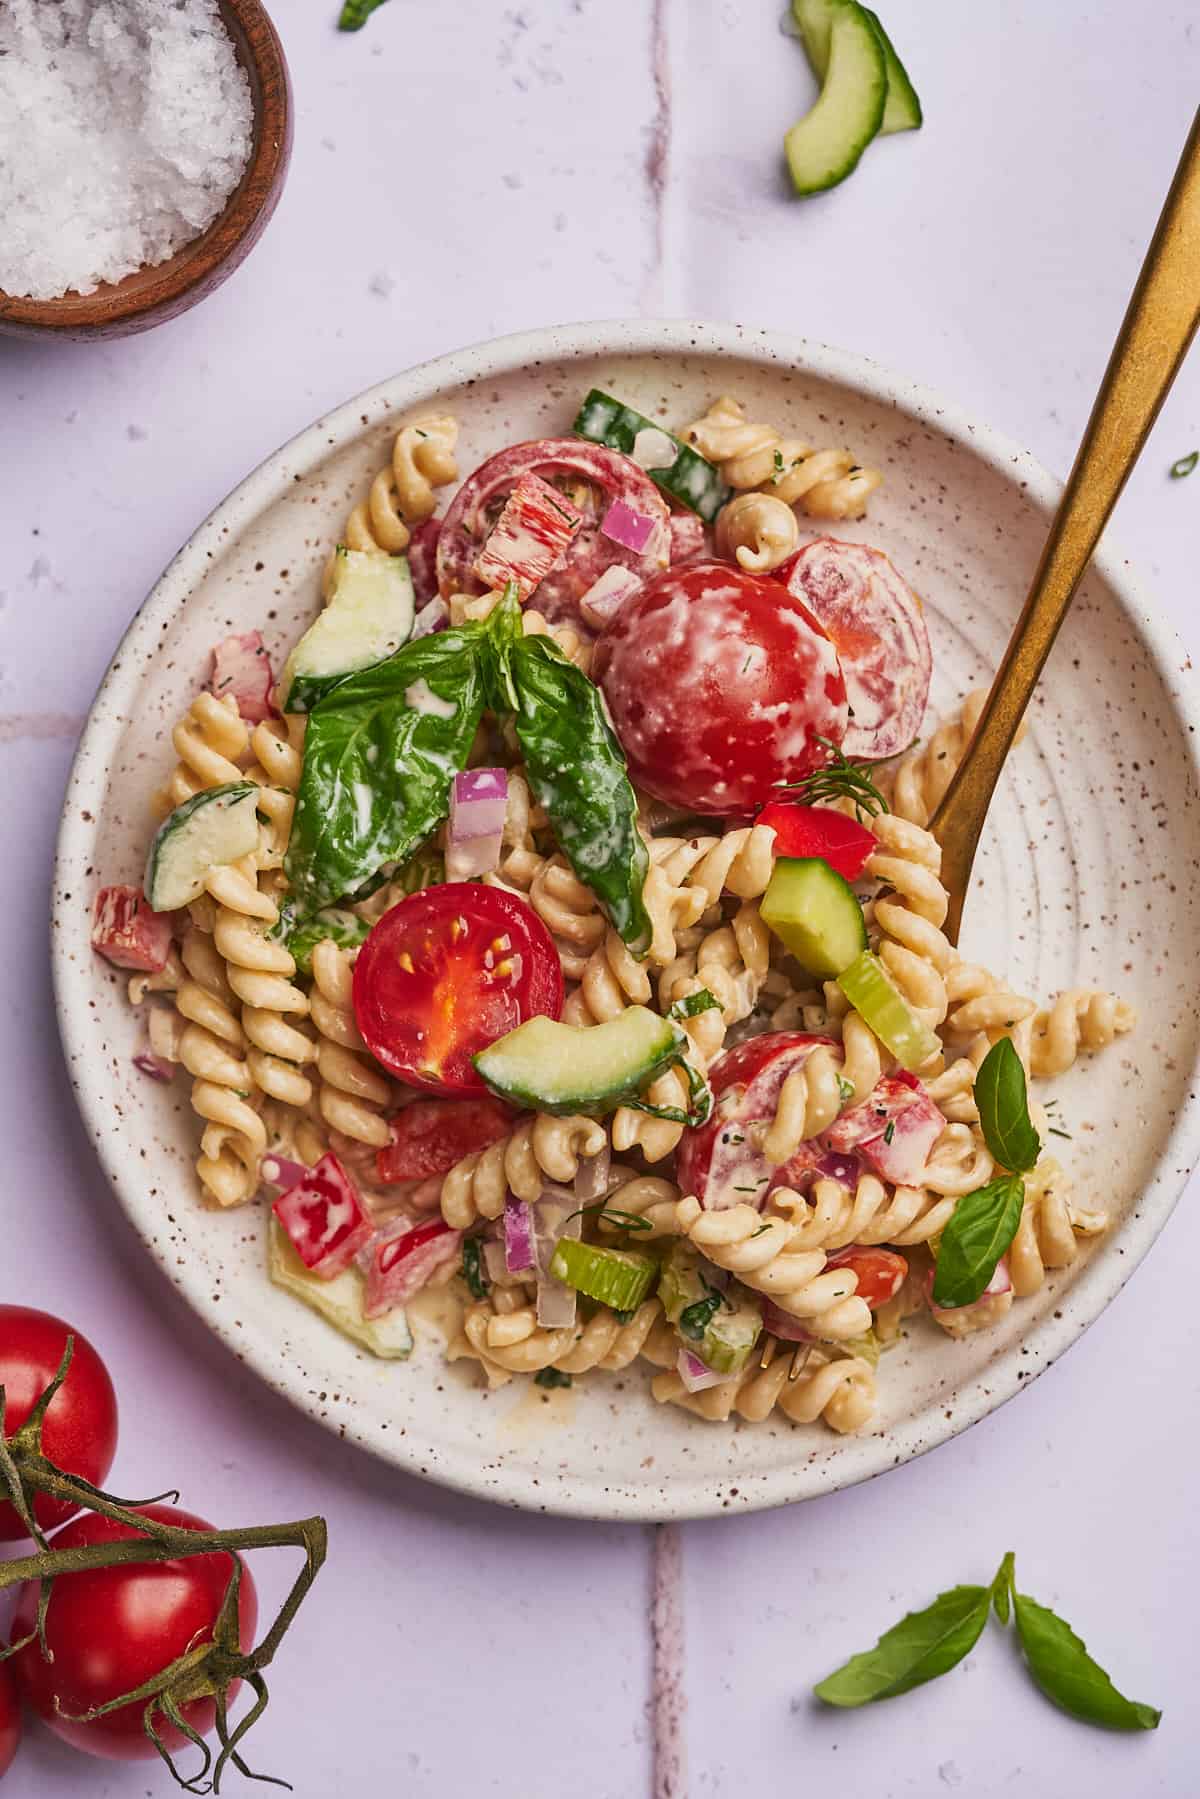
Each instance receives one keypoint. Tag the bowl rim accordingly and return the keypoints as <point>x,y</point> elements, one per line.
<point>697,1495</point>
<point>206,259</point>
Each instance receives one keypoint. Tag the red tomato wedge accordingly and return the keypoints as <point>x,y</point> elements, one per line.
<point>432,1135</point>
<point>878,627</point>
<point>720,685</point>
<point>445,973</point>
<point>816,831</point>
<point>880,1272</point>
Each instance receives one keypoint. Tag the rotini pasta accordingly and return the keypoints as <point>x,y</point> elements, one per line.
<point>826,484</point>
<point>722,1223</point>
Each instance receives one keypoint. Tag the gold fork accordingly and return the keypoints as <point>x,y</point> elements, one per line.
<point>1154,337</point>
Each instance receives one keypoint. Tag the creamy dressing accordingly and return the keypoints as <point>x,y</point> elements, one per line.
<point>420,697</point>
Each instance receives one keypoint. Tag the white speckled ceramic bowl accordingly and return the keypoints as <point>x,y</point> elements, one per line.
<point>1077,884</point>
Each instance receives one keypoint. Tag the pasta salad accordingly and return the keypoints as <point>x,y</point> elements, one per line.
<point>557,933</point>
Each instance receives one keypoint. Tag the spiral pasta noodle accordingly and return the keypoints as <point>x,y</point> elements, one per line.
<point>822,1087</point>
<point>402,495</point>
<point>212,1048</point>
<point>1047,1236</point>
<point>826,484</point>
<point>909,914</point>
<point>259,972</point>
<point>208,740</point>
<point>917,785</point>
<point>758,531</point>
<point>277,745</point>
<point>1080,1019</point>
<point>514,1342</point>
<point>982,1005</point>
<point>354,1095</point>
<point>543,1148</point>
<point>840,1390</point>
<point>759,1248</point>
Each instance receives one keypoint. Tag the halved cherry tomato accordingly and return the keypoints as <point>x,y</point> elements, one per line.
<point>432,1135</point>
<point>881,1272</point>
<point>445,973</point>
<point>816,831</point>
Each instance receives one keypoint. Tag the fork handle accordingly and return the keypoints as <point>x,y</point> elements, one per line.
<point>1158,327</point>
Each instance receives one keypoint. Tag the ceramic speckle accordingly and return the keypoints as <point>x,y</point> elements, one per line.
<point>1087,876</point>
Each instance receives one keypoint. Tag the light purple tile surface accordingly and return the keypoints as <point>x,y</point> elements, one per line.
<point>464,171</point>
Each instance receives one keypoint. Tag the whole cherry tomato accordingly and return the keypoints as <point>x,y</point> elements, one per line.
<point>110,1629</point>
<point>80,1430</point>
<point>720,684</point>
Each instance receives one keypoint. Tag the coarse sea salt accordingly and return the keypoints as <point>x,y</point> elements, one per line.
<point>125,125</point>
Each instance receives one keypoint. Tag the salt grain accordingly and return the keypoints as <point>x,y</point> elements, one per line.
<point>125,125</point>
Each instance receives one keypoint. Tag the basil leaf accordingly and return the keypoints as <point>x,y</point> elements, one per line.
<point>1003,1103</point>
<point>1002,1587</point>
<point>346,929</point>
<point>693,1004</point>
<point>1067,1675</point>
<point>379,755</point>
<point>919,1648</point>
<point>577,772</point>
<point>981,1227</point>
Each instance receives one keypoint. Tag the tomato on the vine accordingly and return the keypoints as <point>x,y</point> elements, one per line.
<point>79,1434</point>
<point>110,1629</point>
<point>10,1719</point>
<point>447,971</point>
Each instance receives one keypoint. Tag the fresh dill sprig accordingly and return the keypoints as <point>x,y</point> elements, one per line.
<point>840,779</point>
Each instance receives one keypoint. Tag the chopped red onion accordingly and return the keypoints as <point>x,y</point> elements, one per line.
<point>433,616</point>
<point>157,1067</point>
<point>591,1178</point>
<point>779,1323</point>
<point>478,803</point>
<point>653,448</point>
<point>518,1235</point>
<point>695,1374</point>
<point>607,594</point>
<point>555,1215</point>
<point>632,530</point>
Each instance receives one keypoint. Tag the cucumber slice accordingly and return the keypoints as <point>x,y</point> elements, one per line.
<point>721,1328</point>
<point>613,1277</point>
<point>903,109</point>
<point>877,1000</point>
<point>553,1067</point>
<point>211,829</point>
<point>814,19</point>
<point>685,475</point>
<point>814,911</point>
<point>340,1301</point>
<point>826,144</point>
<point>369,614</point>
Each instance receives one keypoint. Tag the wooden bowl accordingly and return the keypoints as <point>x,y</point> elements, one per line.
<point>150,295</point>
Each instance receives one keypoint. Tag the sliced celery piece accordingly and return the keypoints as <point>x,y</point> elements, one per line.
<point>876,998</point>
<point>613,1277</point>
<point>720,1328</point>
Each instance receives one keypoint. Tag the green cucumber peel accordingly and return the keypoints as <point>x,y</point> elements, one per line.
<point>825,146</point>
<point>355,13</point>
<point>981,1227</point>
<point>690,479</point>
<point>1002,1097</point>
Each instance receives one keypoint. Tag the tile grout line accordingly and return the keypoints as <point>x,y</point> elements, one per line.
<point>658,157</point>
<point>668,1704</point>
